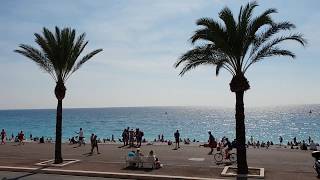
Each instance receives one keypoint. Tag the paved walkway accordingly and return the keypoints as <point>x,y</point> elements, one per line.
<point>7,175</point>
<point>191,161</point>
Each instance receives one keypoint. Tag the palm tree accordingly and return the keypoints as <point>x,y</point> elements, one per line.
<point>235,46</point>
<point>58,57</point>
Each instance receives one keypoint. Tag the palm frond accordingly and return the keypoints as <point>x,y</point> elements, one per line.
<point>201,55</point>
<point>266,35</point>
<point>210,27</point>
<point>85,59</point>
<point>76,50</point>
<point>38,57</point>
<point>235,46</point>
<point>59,52</point>
<point>270,49</point>
<point>229,21</point>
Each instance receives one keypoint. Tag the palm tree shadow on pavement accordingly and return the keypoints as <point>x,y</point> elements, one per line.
<point>26,175</point>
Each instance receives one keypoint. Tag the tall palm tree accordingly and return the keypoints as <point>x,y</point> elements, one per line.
<point>59,57</point>
<point>236,45</point>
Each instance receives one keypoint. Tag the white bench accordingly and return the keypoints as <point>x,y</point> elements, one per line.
<point>140,161</point>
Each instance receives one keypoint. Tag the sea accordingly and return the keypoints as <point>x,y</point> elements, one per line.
<point>263,123</point>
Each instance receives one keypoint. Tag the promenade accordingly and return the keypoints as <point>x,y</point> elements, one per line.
<point>188,161</point>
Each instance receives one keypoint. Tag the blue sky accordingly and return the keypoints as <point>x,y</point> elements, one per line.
<point>141,42</point>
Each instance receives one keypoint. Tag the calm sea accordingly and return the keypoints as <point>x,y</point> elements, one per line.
<point>193,122</point>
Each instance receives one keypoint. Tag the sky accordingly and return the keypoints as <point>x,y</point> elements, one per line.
<point>141,41</point>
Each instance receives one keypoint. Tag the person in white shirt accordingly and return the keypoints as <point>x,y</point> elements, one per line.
<point>81,140</point>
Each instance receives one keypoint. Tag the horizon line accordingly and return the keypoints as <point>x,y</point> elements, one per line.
<point>159,106</point>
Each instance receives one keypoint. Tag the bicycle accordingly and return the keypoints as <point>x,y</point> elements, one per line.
<point>219,156</point>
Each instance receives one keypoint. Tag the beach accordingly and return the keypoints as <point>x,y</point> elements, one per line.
<point>264,124</point>
<point>190,160</point>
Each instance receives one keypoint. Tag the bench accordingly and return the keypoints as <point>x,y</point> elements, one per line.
<point>140,161</point>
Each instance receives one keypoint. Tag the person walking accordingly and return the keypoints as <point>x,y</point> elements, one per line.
<point>177,138</point>
<point>3,136</point>
<point>21,138</point>
<point>212,142</point>
<point>94,143</point>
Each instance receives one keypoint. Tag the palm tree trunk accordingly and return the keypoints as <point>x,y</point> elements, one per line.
<point>58,157</point>
<point>241,134</point>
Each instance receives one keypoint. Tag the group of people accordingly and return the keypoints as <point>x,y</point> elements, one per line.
<point>294,144</point>
<point>258,144</point>
<point>131,136</point>
<point>303,145</point>
<point>19,138</point>
<point>78,139</point>
<point>138,155</point>
<point>223,144</point>
<point>94,143</point>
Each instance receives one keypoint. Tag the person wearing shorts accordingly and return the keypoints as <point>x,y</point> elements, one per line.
<point>81,140</point>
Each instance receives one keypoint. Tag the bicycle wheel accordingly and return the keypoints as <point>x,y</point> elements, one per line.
<point>233,157</point>
<point>218,157</point>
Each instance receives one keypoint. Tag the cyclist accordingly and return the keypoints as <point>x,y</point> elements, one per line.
<point>229,147</point>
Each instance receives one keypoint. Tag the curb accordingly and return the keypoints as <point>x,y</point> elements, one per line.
<point>99,174</point>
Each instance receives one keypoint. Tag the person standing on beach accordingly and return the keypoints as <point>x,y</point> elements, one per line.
<point>131,138</point>
<point>3,136</point>
<point>139,135</point>
<point>92,142</point>
<point>281,140</point>
<point>21,138</point>
<point>124,139</point>
<point>212,142</point>
<point>177,138</point>
<point>81,140</point>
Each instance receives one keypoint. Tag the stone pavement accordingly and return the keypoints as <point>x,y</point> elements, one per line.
<point>188,161</point>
